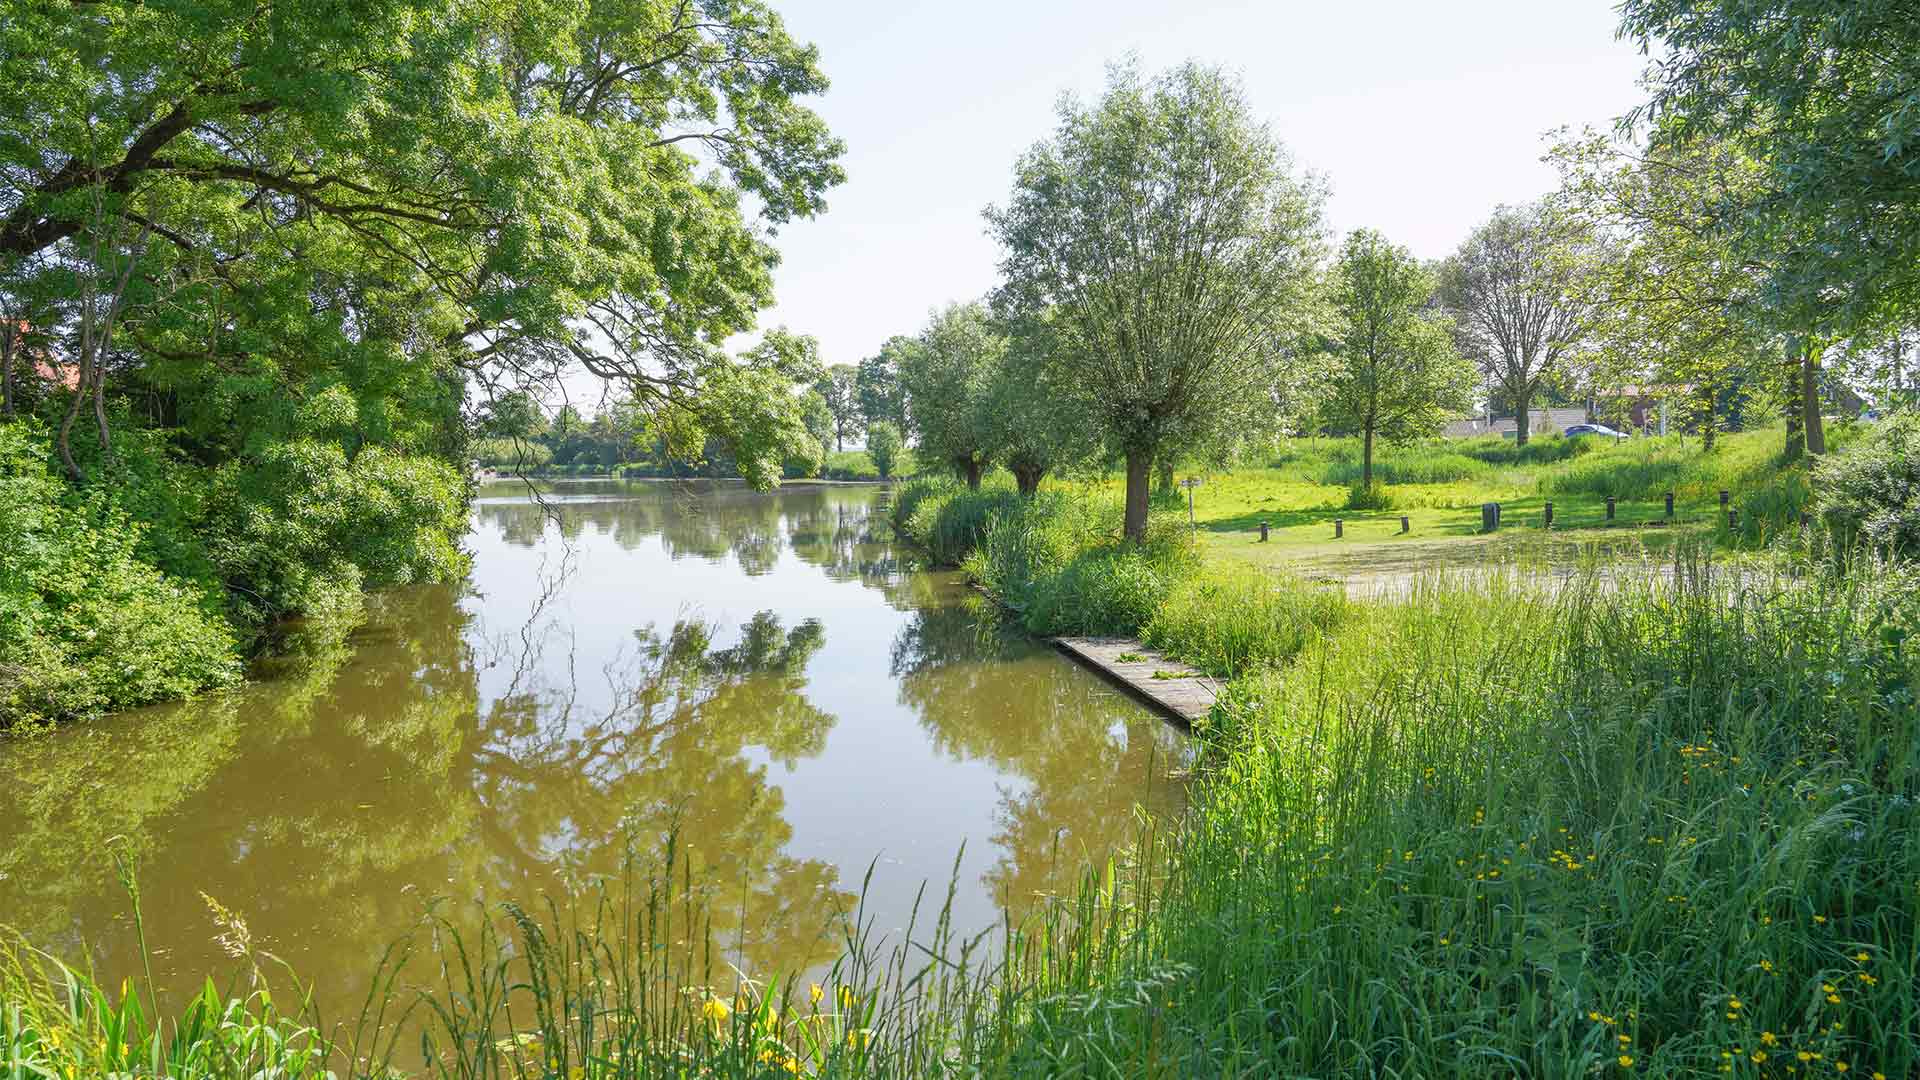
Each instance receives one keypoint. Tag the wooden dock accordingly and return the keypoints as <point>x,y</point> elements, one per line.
<point>1184,693</point>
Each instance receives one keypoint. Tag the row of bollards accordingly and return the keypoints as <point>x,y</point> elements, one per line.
<point>1490,516</point>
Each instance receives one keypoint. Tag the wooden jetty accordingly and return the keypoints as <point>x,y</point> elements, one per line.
<point>1184,693</point>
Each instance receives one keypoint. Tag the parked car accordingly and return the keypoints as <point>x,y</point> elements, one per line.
<point>1592,429</point>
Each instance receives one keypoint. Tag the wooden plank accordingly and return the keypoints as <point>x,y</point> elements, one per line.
<point>1186,696</point>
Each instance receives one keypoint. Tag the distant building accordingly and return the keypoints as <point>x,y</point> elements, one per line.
<point>39,364</point>
<point>1539,422</point>
<point>1640,408</point>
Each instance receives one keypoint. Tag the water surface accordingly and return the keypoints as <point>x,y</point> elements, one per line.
<point>765,677</point>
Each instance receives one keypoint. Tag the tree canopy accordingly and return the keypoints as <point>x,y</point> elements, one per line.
<point>1166,232</point>
<point>1392,373</point>
<point>946,379</point>
<point>1521,291</point>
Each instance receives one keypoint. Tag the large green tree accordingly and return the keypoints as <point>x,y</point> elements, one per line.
<point>1177,250</point>
<point>837,388</point>
<point>1683,316</point>
<point>1825,96</point>
<point>495,192</point>
<point>1036,421</point>
<point>1393,374</point>
<point>946,381</point>
<point>1522,291</point>
<point>877,383</point>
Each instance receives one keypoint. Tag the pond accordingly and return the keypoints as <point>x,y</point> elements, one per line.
<point>765,677</point>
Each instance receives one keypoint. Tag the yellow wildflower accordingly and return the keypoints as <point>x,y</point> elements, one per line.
<point>1768,1038</point>
<point>814,993</point>
<point>716,1010</point>
<point>1626,1061</point>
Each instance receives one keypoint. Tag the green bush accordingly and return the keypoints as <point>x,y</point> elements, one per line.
<point>947,519</point>
<point>303,528</point>
<point>1229,620</point>
<point>1870,493</point>
<point>86,625</point>
<point>1376,497</point>
<point>511,455</point>
<point>1106,591</point>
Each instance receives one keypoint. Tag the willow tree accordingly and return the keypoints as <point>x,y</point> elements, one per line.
<point>1165,229</point>
<point>946,380</point>
<point>1037,427</point>
<point>1392,374</point>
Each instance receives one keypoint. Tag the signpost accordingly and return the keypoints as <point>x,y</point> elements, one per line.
<point>1190,483</point>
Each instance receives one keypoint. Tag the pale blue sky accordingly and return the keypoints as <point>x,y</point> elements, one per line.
<point>1422,116</point>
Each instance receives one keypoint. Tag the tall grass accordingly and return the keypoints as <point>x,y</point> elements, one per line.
<point>1337,462</point>
<point>1646,825</point>
<point>946,518</point>
<point>1230,620</point>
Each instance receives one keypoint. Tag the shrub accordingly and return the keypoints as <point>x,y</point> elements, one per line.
<point>86,626</point>
<point>1870,493</point>
<point>948,519</point>
<point>512,455</point>
<point>1105,591</point>
<point>1228,620</point>
<point>303,528</point>
<point>1375,497</point>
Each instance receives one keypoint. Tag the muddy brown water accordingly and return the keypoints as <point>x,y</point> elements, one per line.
<point>769,677</point>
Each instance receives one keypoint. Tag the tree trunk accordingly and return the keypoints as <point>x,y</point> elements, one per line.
<point>970,468</point>
<point>1710,422</point>
<point>1522,416</point>
<point>6,372</point>
<point>1810,399</point>
<point>1366,458</point>
<point>1795,410</point>
<point>1139,463</point>
<point>1027,478</point>
<point>63,438</point>
<point>1165,482</point>
<point>100,407</point>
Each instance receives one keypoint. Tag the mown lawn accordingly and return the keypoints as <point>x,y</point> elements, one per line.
<point>1439,488</point>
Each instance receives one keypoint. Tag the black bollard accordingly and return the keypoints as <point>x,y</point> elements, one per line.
<point>1733,520</point>
<point>1263,532</point>
<point>1405,525</point>
<point>1549,514</point>
<point>1723,500</point>
<point>1669,504</point>
<point>1339,528</point>
<point>1609,508</point>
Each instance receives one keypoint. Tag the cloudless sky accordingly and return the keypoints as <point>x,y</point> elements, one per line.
<point>1422,115</point>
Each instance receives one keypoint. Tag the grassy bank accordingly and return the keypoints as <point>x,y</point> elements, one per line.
<point>1440,486</point>
<point>1642,824</point>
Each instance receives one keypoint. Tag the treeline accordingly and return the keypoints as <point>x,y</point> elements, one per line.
<point>1169,294</point>
<point>262,274</point>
